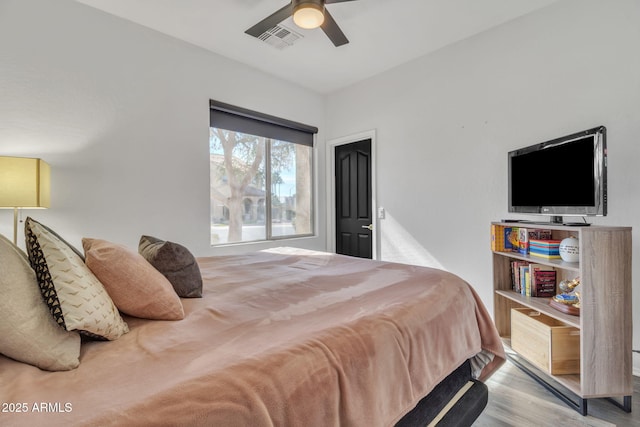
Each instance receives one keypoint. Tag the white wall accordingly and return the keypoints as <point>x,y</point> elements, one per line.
<point>446,121</point>
<point>121,113</point>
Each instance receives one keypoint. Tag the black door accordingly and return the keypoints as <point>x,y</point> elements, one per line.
<point>353,199</point>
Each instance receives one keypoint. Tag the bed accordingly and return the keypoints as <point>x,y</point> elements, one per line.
<point>280,337</point>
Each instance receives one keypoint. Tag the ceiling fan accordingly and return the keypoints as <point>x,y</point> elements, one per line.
<point>307,14</point>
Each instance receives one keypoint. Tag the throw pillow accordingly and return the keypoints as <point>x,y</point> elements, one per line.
<point>135,287</point>
<point>176,263</point>
<point>28,333</point>
<point>76,298</point>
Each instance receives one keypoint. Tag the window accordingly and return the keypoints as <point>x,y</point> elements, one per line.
<point>261,176</point>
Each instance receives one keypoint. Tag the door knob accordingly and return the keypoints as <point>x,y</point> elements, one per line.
<point>368,227</point>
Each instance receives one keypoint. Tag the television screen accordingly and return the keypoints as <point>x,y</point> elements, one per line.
<point>565,176</point>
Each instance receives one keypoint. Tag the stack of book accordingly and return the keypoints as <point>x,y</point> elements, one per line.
<point>525,235</point>
<point>515,239</point>
<point>504,239</point>
<point>549,249</point>
<point>533,280</point>
<point>543,281</point>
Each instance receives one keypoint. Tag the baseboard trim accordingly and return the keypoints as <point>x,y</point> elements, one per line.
<point>636,364</point>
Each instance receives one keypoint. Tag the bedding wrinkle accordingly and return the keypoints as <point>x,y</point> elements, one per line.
<point>321,300</point>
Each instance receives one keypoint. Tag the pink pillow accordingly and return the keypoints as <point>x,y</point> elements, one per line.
<point>135,287</point>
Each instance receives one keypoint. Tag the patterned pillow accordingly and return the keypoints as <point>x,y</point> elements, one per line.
<point>136,288</point>
<point>76,299</point>
<point>28,333</point>
<point>176,263</point>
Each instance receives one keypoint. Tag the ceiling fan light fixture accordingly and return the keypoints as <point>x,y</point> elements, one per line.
<point>308,14</point>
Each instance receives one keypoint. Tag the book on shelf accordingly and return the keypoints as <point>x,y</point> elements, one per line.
<point>543,290</point>
<point>543,280</point>
<point>515,274</point>
<point>523,240</point>
<point>532,279</point>
<point>526,235</point>
<point>545,248</point>
<point>545,243</point>
<point>504,239</point>
<point>497,238</point>
<point>524,276</point>
<point>511,239</point>
<point>540,234</point>
<point>545,255</point>
<point>516,239</point>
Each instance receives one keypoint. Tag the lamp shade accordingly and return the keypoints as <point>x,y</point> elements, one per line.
<point>24,183</point>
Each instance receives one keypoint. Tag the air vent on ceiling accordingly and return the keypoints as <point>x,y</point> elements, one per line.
<point>280,37</point>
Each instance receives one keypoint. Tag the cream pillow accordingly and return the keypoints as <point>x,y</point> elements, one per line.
<point>133,284</point>
<point>28,333</point>
<point>76,298</point>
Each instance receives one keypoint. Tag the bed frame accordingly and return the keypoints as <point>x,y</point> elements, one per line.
<point>457,401</point>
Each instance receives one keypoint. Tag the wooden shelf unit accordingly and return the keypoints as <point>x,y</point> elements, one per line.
<point>605,321</point>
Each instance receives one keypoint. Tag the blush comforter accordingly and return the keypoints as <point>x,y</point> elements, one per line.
<point>283,337</point>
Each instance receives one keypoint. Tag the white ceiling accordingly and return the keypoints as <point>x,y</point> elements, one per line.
<point>382,33</point>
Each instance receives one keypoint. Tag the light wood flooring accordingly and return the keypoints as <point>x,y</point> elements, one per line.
<point>515,399</point>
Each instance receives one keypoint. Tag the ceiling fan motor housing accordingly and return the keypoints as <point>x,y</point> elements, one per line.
<point>308,14</point>
<point>315,4</point>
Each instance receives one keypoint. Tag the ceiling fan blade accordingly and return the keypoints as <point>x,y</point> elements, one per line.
<point>331,29</point>
<point>336,1</point>
<point>270,21</point>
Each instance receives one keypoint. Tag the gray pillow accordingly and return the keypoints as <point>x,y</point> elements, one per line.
<point>176,263</point>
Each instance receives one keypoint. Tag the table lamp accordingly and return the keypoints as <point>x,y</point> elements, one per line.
<point>24,183</point>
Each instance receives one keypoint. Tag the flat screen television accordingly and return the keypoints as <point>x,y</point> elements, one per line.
<point>566,176</point>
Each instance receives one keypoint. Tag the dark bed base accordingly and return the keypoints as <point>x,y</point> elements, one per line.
<point>463,412</point>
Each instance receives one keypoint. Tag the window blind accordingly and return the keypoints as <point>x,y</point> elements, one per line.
<point>230,117</point>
